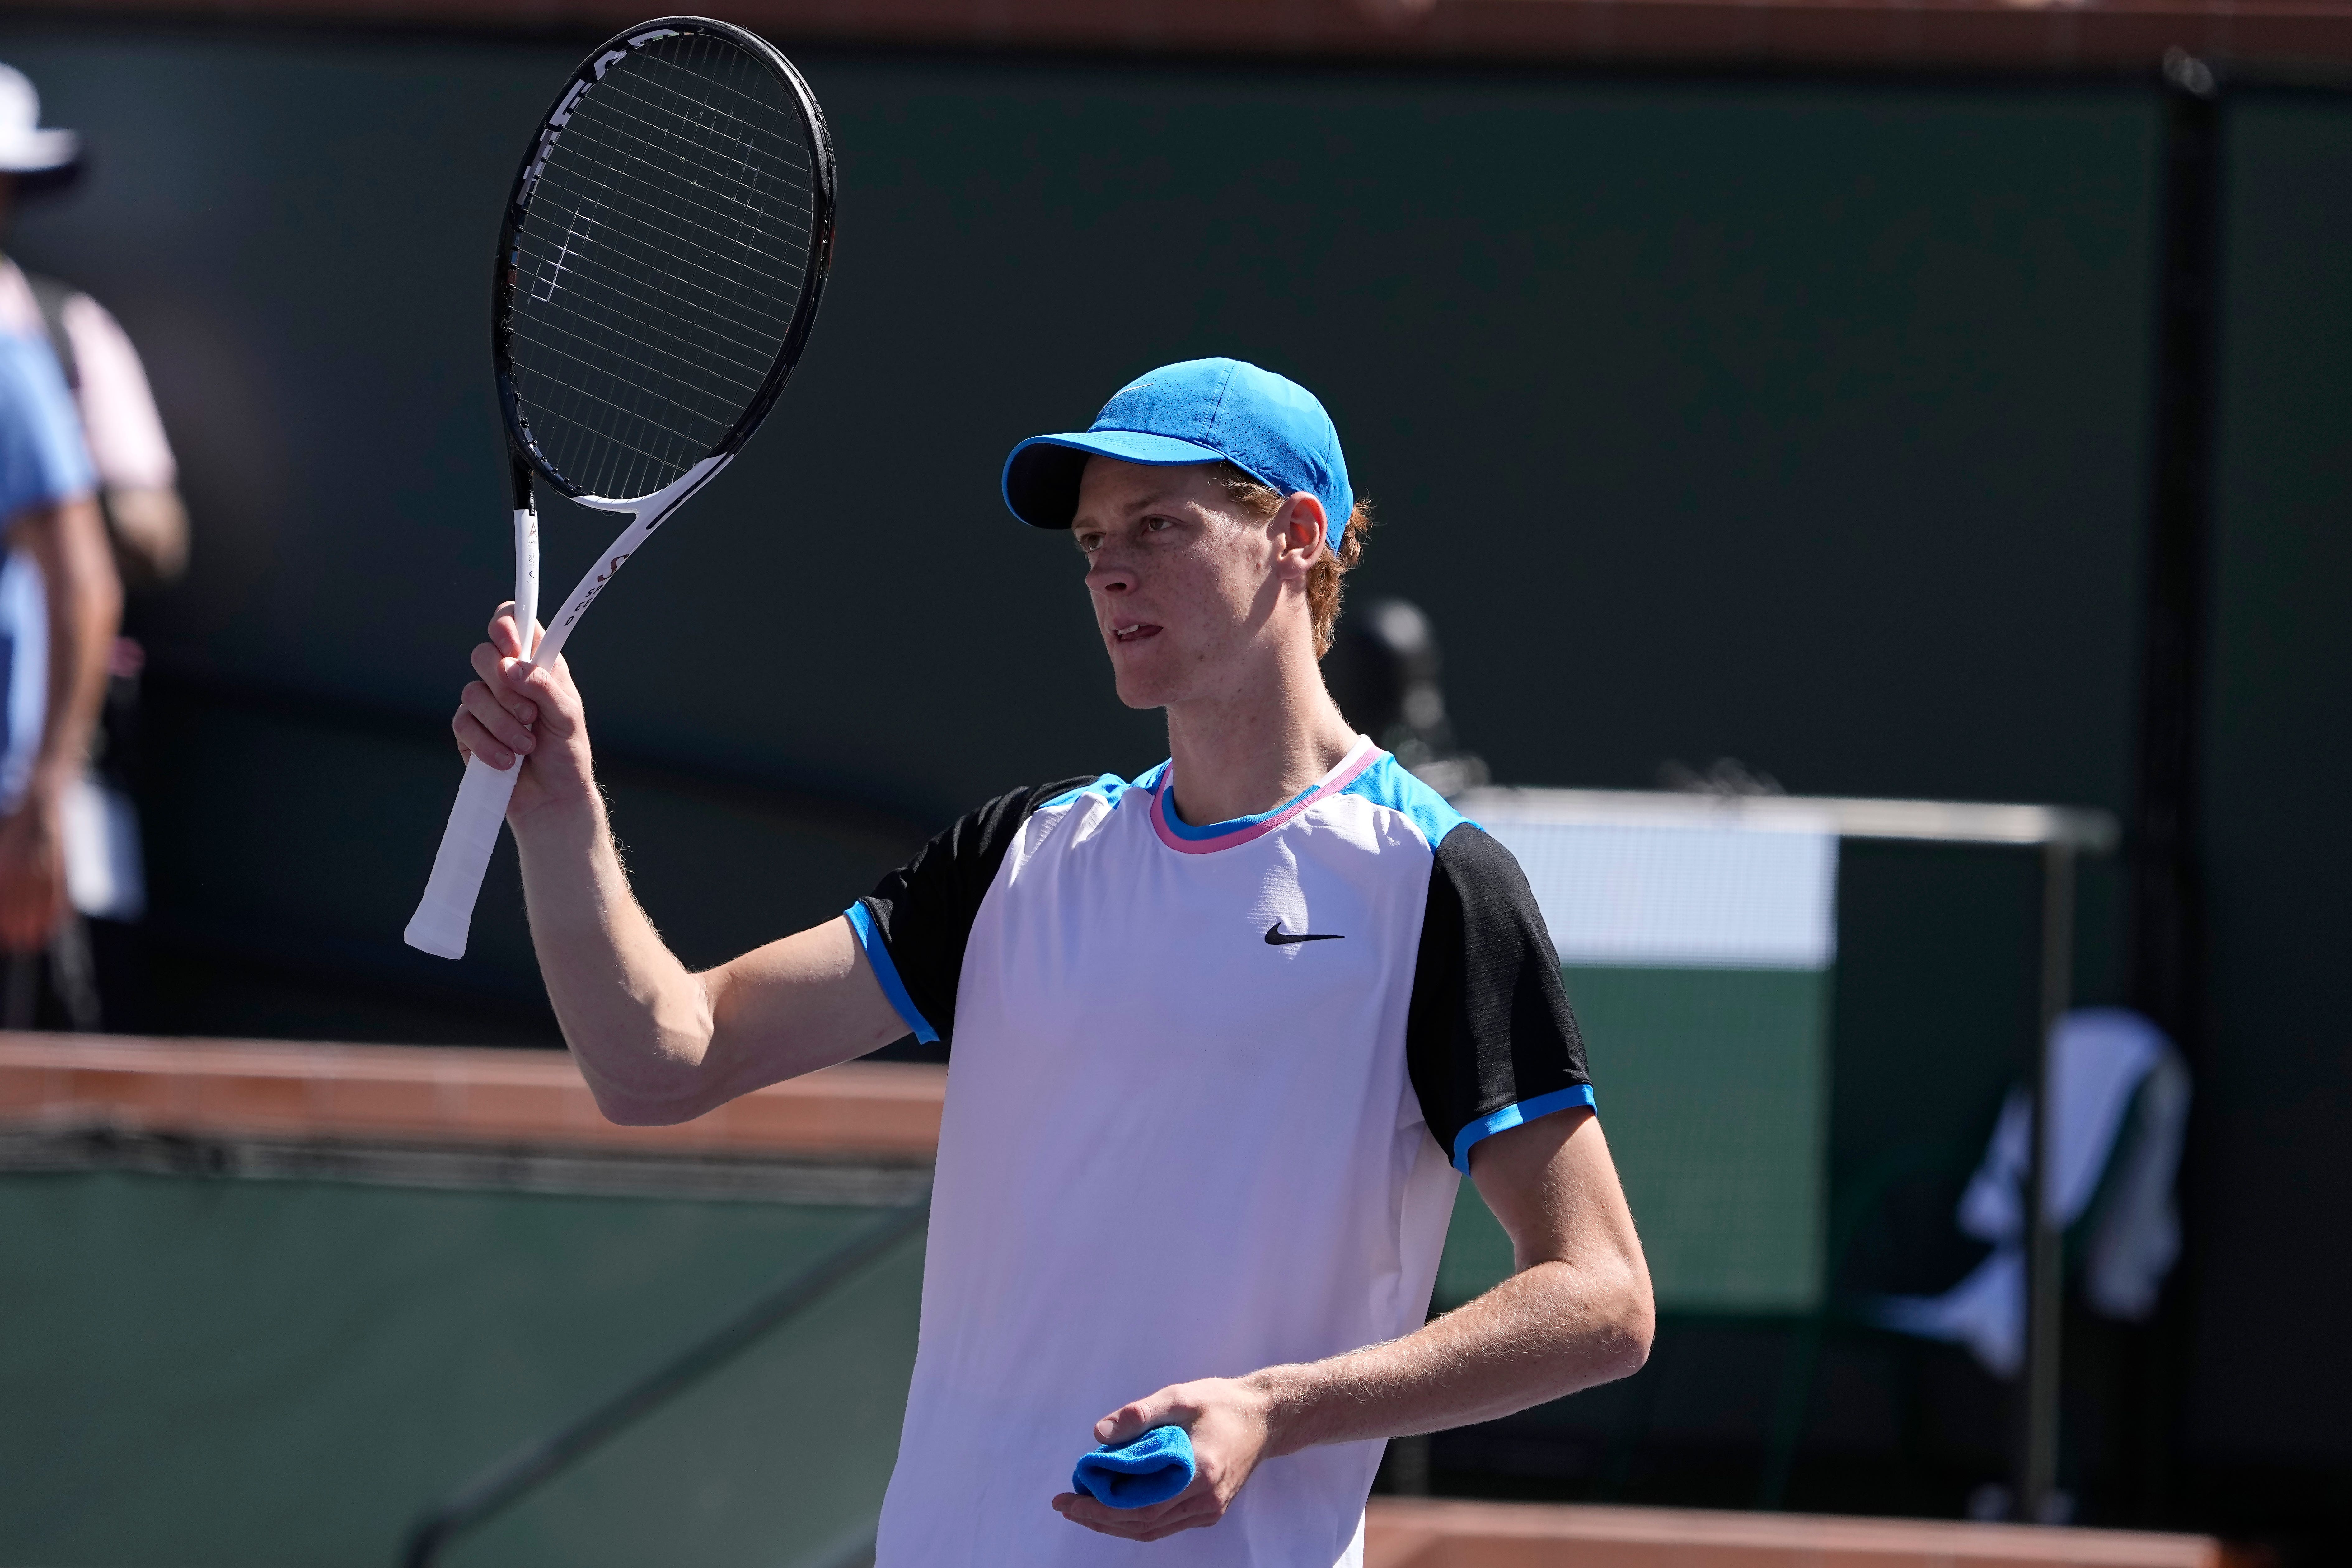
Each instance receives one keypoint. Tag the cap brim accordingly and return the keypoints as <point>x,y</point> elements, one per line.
<point>40,153</point>
<point>1041,477</point>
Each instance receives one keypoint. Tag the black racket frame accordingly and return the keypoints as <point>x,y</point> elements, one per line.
<point>524,452</point>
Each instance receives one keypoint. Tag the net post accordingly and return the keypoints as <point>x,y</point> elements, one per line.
<point>2044,1255</point>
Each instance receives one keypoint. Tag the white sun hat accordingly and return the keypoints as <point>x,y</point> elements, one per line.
<point>25,147</point>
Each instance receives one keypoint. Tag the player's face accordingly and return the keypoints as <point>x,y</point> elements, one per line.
<point>1184,581</point>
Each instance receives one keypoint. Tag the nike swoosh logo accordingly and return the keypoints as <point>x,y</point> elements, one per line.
<point>1276,937</point>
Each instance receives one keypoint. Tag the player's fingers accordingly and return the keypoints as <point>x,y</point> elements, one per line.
<point>1126,1526</point>
<point>1194,1500</point>
<point>538,680</point>
<point>514,734</point>
<point>505,631</point>
<point>477,741</point>
<point>560,712</point>
<point>1080,1508</point>
<point>1103,1521</point>
<point>1130,1422</point>
<point>1194,1505</point>
<point>498,673</point>
<point>1196,1519</point>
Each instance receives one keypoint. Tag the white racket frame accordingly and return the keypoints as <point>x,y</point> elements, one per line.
<point>445,915</point>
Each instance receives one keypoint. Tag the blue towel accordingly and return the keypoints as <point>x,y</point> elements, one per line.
<point>1152,1468</point>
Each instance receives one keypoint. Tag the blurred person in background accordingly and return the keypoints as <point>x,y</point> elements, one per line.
<point>87,482</point>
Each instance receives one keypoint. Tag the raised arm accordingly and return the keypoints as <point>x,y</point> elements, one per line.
<point>1577,1311</point>
<point>657,1043</point>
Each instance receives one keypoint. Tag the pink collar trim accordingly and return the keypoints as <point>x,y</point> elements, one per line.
<point>1359,757</point>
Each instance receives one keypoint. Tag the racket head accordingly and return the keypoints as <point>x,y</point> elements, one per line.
<point>661,258</point>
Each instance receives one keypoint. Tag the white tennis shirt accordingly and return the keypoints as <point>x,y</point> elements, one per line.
<point>1208,1093</point>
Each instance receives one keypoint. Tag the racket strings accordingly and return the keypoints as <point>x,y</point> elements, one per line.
<point>655,151</point>
<point>660,263</point>
<point>655,145</point>
<point>648,130</point>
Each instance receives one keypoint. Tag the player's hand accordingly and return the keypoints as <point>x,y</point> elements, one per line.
<point>517,711</point>
<point>1230,1421</point>
<point>32,874</point>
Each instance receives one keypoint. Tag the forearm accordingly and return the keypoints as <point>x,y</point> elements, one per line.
<point>153,526</point>
<point>639,1023</point>
<point>1545,1333</point>
<point>656,1043</point>
<point>84,600</point>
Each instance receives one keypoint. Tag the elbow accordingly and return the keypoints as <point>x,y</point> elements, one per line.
<point>657,1071</point>
<point>1635,1335</point>
<point>1637,1321</point>
<point>655,1094</point>
<point>623,1111</point>
<point>648,1105</point>
<point>1630,1325</point>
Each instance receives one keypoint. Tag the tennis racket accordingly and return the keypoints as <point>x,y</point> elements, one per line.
<point>658,269</point>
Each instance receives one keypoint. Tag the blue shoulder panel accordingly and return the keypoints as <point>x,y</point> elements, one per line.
<point>1386,783</point>
<point>878,953</point>
<point>1111,786</point>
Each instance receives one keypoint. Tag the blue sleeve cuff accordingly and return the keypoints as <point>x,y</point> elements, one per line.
<point>878,953</point>
<point>1511,1116</point>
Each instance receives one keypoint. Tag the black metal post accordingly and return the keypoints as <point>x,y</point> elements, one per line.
<point>2165,952</point>
<point>2037,1481</point>
<point>2163,955</point>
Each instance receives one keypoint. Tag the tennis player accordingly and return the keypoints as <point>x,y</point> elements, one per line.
<point>1225,1037</point>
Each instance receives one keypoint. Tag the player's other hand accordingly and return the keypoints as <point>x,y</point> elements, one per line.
<point>1230,1421</point>
<point>32,874</point>
<point>520,712</point>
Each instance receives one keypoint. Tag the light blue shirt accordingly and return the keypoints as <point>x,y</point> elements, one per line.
<point>43,461</point>
<point>43,457</point>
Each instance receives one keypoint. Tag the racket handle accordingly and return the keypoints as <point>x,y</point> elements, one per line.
<point>447,911</point>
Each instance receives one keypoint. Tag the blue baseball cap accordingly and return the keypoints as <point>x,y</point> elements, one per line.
<point>1201,411</point>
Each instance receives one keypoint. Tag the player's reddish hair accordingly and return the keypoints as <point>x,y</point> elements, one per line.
<point>1327,580</point>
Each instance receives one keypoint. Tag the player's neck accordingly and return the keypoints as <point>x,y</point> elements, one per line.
<point>1247,753</point>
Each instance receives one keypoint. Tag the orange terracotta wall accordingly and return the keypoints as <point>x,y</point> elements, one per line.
<point>250,1089</point>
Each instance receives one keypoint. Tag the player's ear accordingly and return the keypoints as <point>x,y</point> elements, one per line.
<point>1303,524</point>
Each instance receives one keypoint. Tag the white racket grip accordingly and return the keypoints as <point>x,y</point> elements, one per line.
<point>447,911</point>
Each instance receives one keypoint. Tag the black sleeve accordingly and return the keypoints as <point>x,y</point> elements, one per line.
<point>1490,1026</point>
<point>921,913</point>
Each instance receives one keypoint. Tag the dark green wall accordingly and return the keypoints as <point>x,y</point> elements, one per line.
<point>2270,1181</point>
<point>207,1371</point>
